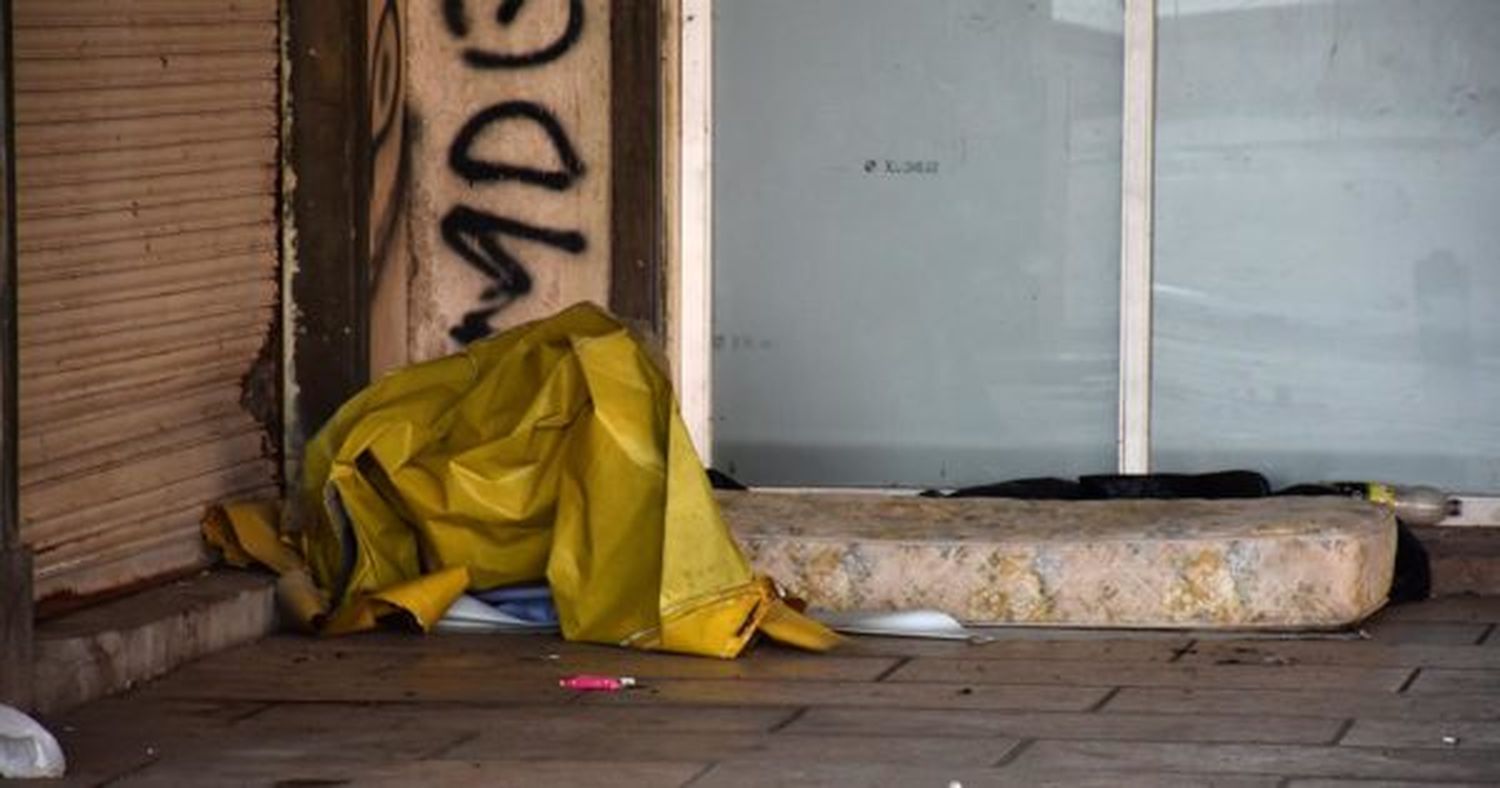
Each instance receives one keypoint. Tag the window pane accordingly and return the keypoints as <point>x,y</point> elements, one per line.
<point>1328,239</point>
<point>916,239</point>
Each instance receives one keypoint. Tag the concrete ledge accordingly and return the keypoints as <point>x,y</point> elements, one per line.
<point>111,647</point>
<point>1271,563</point>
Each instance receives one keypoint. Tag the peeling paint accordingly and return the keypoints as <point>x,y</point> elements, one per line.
<point>291,425</point>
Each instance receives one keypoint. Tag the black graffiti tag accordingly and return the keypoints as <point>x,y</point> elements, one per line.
<point>475,235</point>
<point>474,170</point>
<point>387,61</point>
<point>479,236</point>
<point>456,16</point>
<point>390,132</point>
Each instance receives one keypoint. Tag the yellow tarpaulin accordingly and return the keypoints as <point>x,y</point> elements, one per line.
<point>553,452</point>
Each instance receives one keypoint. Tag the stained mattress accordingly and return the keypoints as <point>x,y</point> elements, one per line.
<point>1273,563</point>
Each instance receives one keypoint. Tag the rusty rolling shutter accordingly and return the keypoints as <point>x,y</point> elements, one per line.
<point>146,136</point>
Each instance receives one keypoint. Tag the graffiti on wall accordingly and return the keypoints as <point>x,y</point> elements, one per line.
<point>481,234</point>
<point>389,129</point>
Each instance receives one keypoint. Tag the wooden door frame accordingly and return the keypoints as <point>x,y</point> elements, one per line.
<point>329,150</point>
<point>17,611</point>
<point>637,287</point>
<point>325,216</point>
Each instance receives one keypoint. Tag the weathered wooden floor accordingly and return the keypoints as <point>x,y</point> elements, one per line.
<point>1417,703</point>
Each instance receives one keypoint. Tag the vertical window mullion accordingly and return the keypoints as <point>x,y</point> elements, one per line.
<point>1136,188</point>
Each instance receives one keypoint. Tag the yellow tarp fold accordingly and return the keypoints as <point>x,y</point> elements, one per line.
<point>553,452</point>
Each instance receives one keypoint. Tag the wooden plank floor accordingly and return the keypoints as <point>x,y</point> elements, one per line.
<point>1416,703</point>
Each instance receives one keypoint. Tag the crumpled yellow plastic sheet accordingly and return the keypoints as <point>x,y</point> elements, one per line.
<point>553,451</point>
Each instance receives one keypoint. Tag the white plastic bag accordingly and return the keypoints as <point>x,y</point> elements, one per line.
<point>27,750</point>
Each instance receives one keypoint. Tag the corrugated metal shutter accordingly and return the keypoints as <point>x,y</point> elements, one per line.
<point>146,136</point>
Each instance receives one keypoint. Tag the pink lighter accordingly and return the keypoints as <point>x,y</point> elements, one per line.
<point>587,683</point>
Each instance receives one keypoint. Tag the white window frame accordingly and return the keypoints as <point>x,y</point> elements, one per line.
<point>691,305</point>
<point>1137,198</point>
<point>692,301</point>
<point>691,297</point>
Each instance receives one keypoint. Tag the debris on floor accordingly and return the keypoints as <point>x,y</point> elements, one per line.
<point>587,683</point>
<point>933,624</point>
<point>554,453</point>
<point>472,614</point>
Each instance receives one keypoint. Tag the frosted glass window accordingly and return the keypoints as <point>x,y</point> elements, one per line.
<point>916,239</point>
<point>1327,291</point>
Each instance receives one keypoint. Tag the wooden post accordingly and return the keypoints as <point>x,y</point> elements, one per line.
<point>637,290</point>
<point>16,609</point>
<point>328,152</point>
<point>16,627</point>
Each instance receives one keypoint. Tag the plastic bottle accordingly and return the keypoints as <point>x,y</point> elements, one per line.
<point>1413,505</point>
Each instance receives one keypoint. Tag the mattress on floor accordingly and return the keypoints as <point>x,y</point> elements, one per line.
<point>1283,563</point>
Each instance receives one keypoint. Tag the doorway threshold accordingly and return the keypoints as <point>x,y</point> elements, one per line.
<point>109,648</point>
